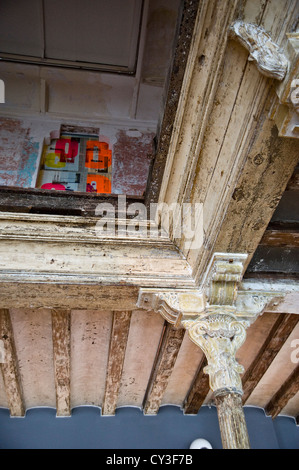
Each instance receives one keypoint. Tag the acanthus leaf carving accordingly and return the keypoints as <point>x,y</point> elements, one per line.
<point>220,335</point>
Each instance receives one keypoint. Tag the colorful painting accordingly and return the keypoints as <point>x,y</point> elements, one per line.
<point>76,164</point>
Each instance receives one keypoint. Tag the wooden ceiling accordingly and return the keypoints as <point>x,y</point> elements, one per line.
<point>64,359</point>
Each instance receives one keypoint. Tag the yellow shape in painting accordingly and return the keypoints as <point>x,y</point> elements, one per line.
<point>53,161</point>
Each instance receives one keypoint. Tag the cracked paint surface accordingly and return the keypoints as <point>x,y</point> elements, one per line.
<point>18,154</point>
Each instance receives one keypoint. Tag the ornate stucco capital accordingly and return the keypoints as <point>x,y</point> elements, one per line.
<point>215,315</point>
<point>220,334</point>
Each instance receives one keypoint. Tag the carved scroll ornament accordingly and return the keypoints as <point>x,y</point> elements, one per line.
<point>268,57</point>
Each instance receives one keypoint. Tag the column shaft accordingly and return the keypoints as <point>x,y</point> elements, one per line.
<point>231,419</point>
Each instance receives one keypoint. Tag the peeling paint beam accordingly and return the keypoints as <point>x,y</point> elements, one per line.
<point>198,390</point>
<point>168,350</point>
<point>117,351</point>
<point>61,334</point>
<point>277,336</point>
<point>287,391</point>
<point>9,366</point>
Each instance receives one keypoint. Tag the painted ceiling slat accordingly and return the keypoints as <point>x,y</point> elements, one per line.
<point>167,353</point>
<point>276,338</point>
<point>61,334</point>
<point>198,391</point>
<point>288,389</point>
<point>117,351</point>
<point>9,366</point>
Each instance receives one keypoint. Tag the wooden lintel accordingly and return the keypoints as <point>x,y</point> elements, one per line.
<point>288,389</point>
<point>9,366</point>
<point>117,350</point>
<point>61,325</point>
<point>198,390</point>
<point>276,338</point>
<point>167,353</point>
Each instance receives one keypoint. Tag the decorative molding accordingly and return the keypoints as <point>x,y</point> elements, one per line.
<point>172,304</point>
<point>269,59</point>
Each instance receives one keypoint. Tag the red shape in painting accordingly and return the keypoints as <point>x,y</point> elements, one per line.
<point>58,187</point>
<point>67,150</point>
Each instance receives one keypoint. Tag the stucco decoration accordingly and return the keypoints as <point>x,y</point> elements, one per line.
<point>219,335</point>
<point>269,59</point>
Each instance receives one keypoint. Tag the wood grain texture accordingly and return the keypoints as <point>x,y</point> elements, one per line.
<point>9,366</point>
<point>198,390</point>
<point>288,389</point>
<point>117,350</point>
<point>275,340</point>
<point>61,327</point>
<point>289,239</point>
<point>167,353</point>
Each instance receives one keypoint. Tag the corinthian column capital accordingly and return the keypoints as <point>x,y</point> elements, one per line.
<point>220,334</point>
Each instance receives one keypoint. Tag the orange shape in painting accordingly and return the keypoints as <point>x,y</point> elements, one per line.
<point>98,155</point>
<point>98,184</point>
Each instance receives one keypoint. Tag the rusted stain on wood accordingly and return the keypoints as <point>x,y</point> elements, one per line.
<point>117,350</point>
<point>167,353</point>
<point>9,366</point>
<point>61,327</point>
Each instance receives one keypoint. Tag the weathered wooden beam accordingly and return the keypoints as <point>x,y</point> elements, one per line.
<point>293,184</point>
<point>117,350</point>
<point>187,21</point>
<point>288,389</point>
<point>44,201</point>
<point>67,296</point>
<point>198,390</point>
<point>61,334</point>
<point>9,366</point>
<point>288,239</point>
<point>276,338</point>
<point>167,353</point>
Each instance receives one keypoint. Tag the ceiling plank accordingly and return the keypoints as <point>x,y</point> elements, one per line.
<point>288,389</point>
<point>198,390</point>
<point>9,366</point>
<point>167,353</point>
<point>280,238</point>
<point>276,338</point>
<point>61,334</point>
<point>117,351</point>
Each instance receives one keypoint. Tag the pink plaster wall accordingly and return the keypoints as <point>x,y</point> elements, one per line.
<point>131,161</point>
